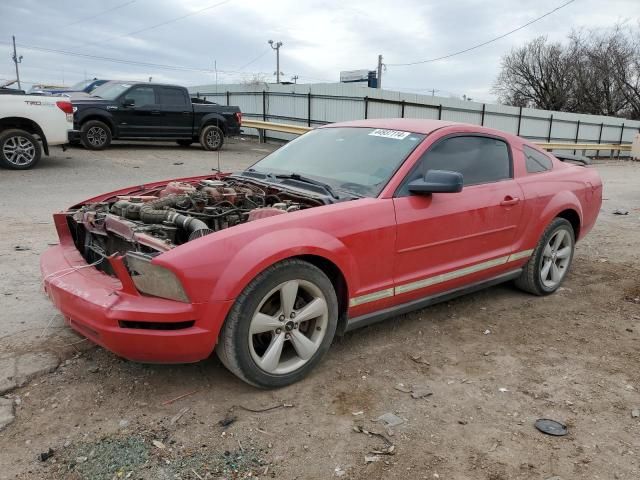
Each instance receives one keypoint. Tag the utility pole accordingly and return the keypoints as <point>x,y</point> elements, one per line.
<point>379,83</point>
<point>295,79</point>
<point>16,60</point>
<point>276,46</point>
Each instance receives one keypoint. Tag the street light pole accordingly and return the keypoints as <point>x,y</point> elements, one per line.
<point>276,46</point>
<point>380,64</point>
<point>16,60</point>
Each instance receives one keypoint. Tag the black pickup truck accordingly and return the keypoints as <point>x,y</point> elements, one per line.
<point>150,111</point>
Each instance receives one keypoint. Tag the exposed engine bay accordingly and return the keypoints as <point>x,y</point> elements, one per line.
<point>157,220</point>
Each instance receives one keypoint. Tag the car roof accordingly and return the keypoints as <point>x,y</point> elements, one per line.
<point>414,125</point>
<point>426,126</point>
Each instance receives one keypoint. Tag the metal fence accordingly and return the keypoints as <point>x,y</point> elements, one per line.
<point>322,104</point>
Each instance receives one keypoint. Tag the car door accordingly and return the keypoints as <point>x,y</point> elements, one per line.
<point>447,240</point>
<point>176,112</point>
<point>138,114</point>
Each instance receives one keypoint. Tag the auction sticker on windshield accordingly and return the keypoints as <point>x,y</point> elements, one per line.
<point>395,134</point>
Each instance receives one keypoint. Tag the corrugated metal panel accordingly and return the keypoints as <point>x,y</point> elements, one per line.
<point>341,102</point>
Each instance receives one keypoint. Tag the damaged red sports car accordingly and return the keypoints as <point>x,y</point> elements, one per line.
<point>347,225</point>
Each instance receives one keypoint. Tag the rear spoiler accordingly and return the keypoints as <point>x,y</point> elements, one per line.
<point>567,157</point>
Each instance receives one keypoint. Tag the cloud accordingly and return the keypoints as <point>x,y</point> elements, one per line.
<point>321,38</point>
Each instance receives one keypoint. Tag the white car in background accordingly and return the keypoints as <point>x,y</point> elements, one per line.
<point>30,124</point>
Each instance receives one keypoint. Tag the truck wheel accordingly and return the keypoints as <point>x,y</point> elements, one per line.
<point>550,262</point>
<point>211,138</point>
<point>184,143</point>
<point>95,135</point>
<point>19,150</point>
<point>280,326</point>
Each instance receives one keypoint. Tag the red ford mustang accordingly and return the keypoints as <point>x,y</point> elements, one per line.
<point>347,225</point>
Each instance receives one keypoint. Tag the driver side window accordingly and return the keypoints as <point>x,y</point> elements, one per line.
<point>479,159</point>
<point>141,96</point>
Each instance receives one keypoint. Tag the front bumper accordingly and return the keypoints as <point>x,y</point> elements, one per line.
<point>94,304</point>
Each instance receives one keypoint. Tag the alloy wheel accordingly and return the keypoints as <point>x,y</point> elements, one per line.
<point>213,138</point>
<point>288,327</point>
<point>19,150</point>
<point>555,258</point>
<point>97,136</point>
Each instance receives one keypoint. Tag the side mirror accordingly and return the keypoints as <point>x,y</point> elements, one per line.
<point>128,102</point>
<point>437,181</point>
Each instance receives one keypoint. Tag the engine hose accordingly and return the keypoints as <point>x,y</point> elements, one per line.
<point>156,211</point>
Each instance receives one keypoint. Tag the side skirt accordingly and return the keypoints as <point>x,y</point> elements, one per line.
<point>380,315</point>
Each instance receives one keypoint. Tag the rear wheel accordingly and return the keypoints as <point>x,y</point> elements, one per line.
<point>280,325</point>
<point>95,135</point>
<point>211,138</point>
<point>550,262</point>
<point>19,150</point>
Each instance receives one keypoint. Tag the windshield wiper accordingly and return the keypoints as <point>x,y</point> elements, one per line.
<point>311,181</point>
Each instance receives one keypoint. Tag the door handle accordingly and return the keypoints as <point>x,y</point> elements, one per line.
<point>186,113</point>
<point>509,201</point>
<point>155,112</point>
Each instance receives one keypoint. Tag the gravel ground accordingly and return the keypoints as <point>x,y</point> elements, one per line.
<point>571,357</point>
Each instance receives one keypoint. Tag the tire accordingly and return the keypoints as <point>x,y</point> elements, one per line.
<point>536,277</point>
<point>19,150</point>
<point>259,309</point>
<point>184,143</point>
<point>95,135</point>
<point>211,138</point>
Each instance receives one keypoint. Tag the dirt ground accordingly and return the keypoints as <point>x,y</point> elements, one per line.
<point>494,362</point>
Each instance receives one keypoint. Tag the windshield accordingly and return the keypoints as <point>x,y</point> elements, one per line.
<point>82,85</point>
<point>110,91</point>
<point>358,160</point>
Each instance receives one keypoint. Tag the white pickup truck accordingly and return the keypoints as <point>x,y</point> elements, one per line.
<point>30,124</point>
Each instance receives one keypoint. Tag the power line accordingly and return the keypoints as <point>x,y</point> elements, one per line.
<point>254,60</point>
<point>157,25</point>
<point>117,7</point>
<point>483,43</point>
<point>177,68</point>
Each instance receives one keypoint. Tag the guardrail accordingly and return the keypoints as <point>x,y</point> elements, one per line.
<point>299,130</point>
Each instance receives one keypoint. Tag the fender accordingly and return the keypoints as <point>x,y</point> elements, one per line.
<point>103,116</point>
<point>265,250</point>
<point>211,119</point>
<point>565,200</point>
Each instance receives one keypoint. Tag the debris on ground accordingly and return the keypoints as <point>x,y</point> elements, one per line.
<point>339,472</point>
<point>419,359</point>
<point>109,457</point>
<point>503,390</point>
<point>635,413</point>
<point>21,248</point>
<point>179,415</point>
<point>390,419</point>
<point>486,332</point>
<point>179,397</point>
<point>551,427</point>
<point>416,391</point>
<point>266,409</point>
<point>371,458</point>
<point>227,420</point>
<point>621,211</point>
<point>44,456</point>
<point>178,163</point>
<point>158,444</point>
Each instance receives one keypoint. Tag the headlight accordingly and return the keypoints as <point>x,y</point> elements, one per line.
<point>154,280</point>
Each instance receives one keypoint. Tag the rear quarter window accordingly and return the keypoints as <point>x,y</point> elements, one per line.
<point>535,161</point>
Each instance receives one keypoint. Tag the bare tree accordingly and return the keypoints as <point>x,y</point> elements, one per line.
<point>597,59</point>
<point>538,74</point>
<point>596,73</point>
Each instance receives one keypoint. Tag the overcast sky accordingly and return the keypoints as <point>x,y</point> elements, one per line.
<point>320,38</point>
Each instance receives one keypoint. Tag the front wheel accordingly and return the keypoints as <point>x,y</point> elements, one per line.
<point>280,326</point>
<point>211,138</point>
<point>550,262</point>
<point>19,150</point>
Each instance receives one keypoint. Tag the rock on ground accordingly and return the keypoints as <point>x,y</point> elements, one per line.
<point>6,412</point>
<point>15,371</point>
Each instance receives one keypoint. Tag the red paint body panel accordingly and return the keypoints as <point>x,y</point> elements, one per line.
<point>379,245</point>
